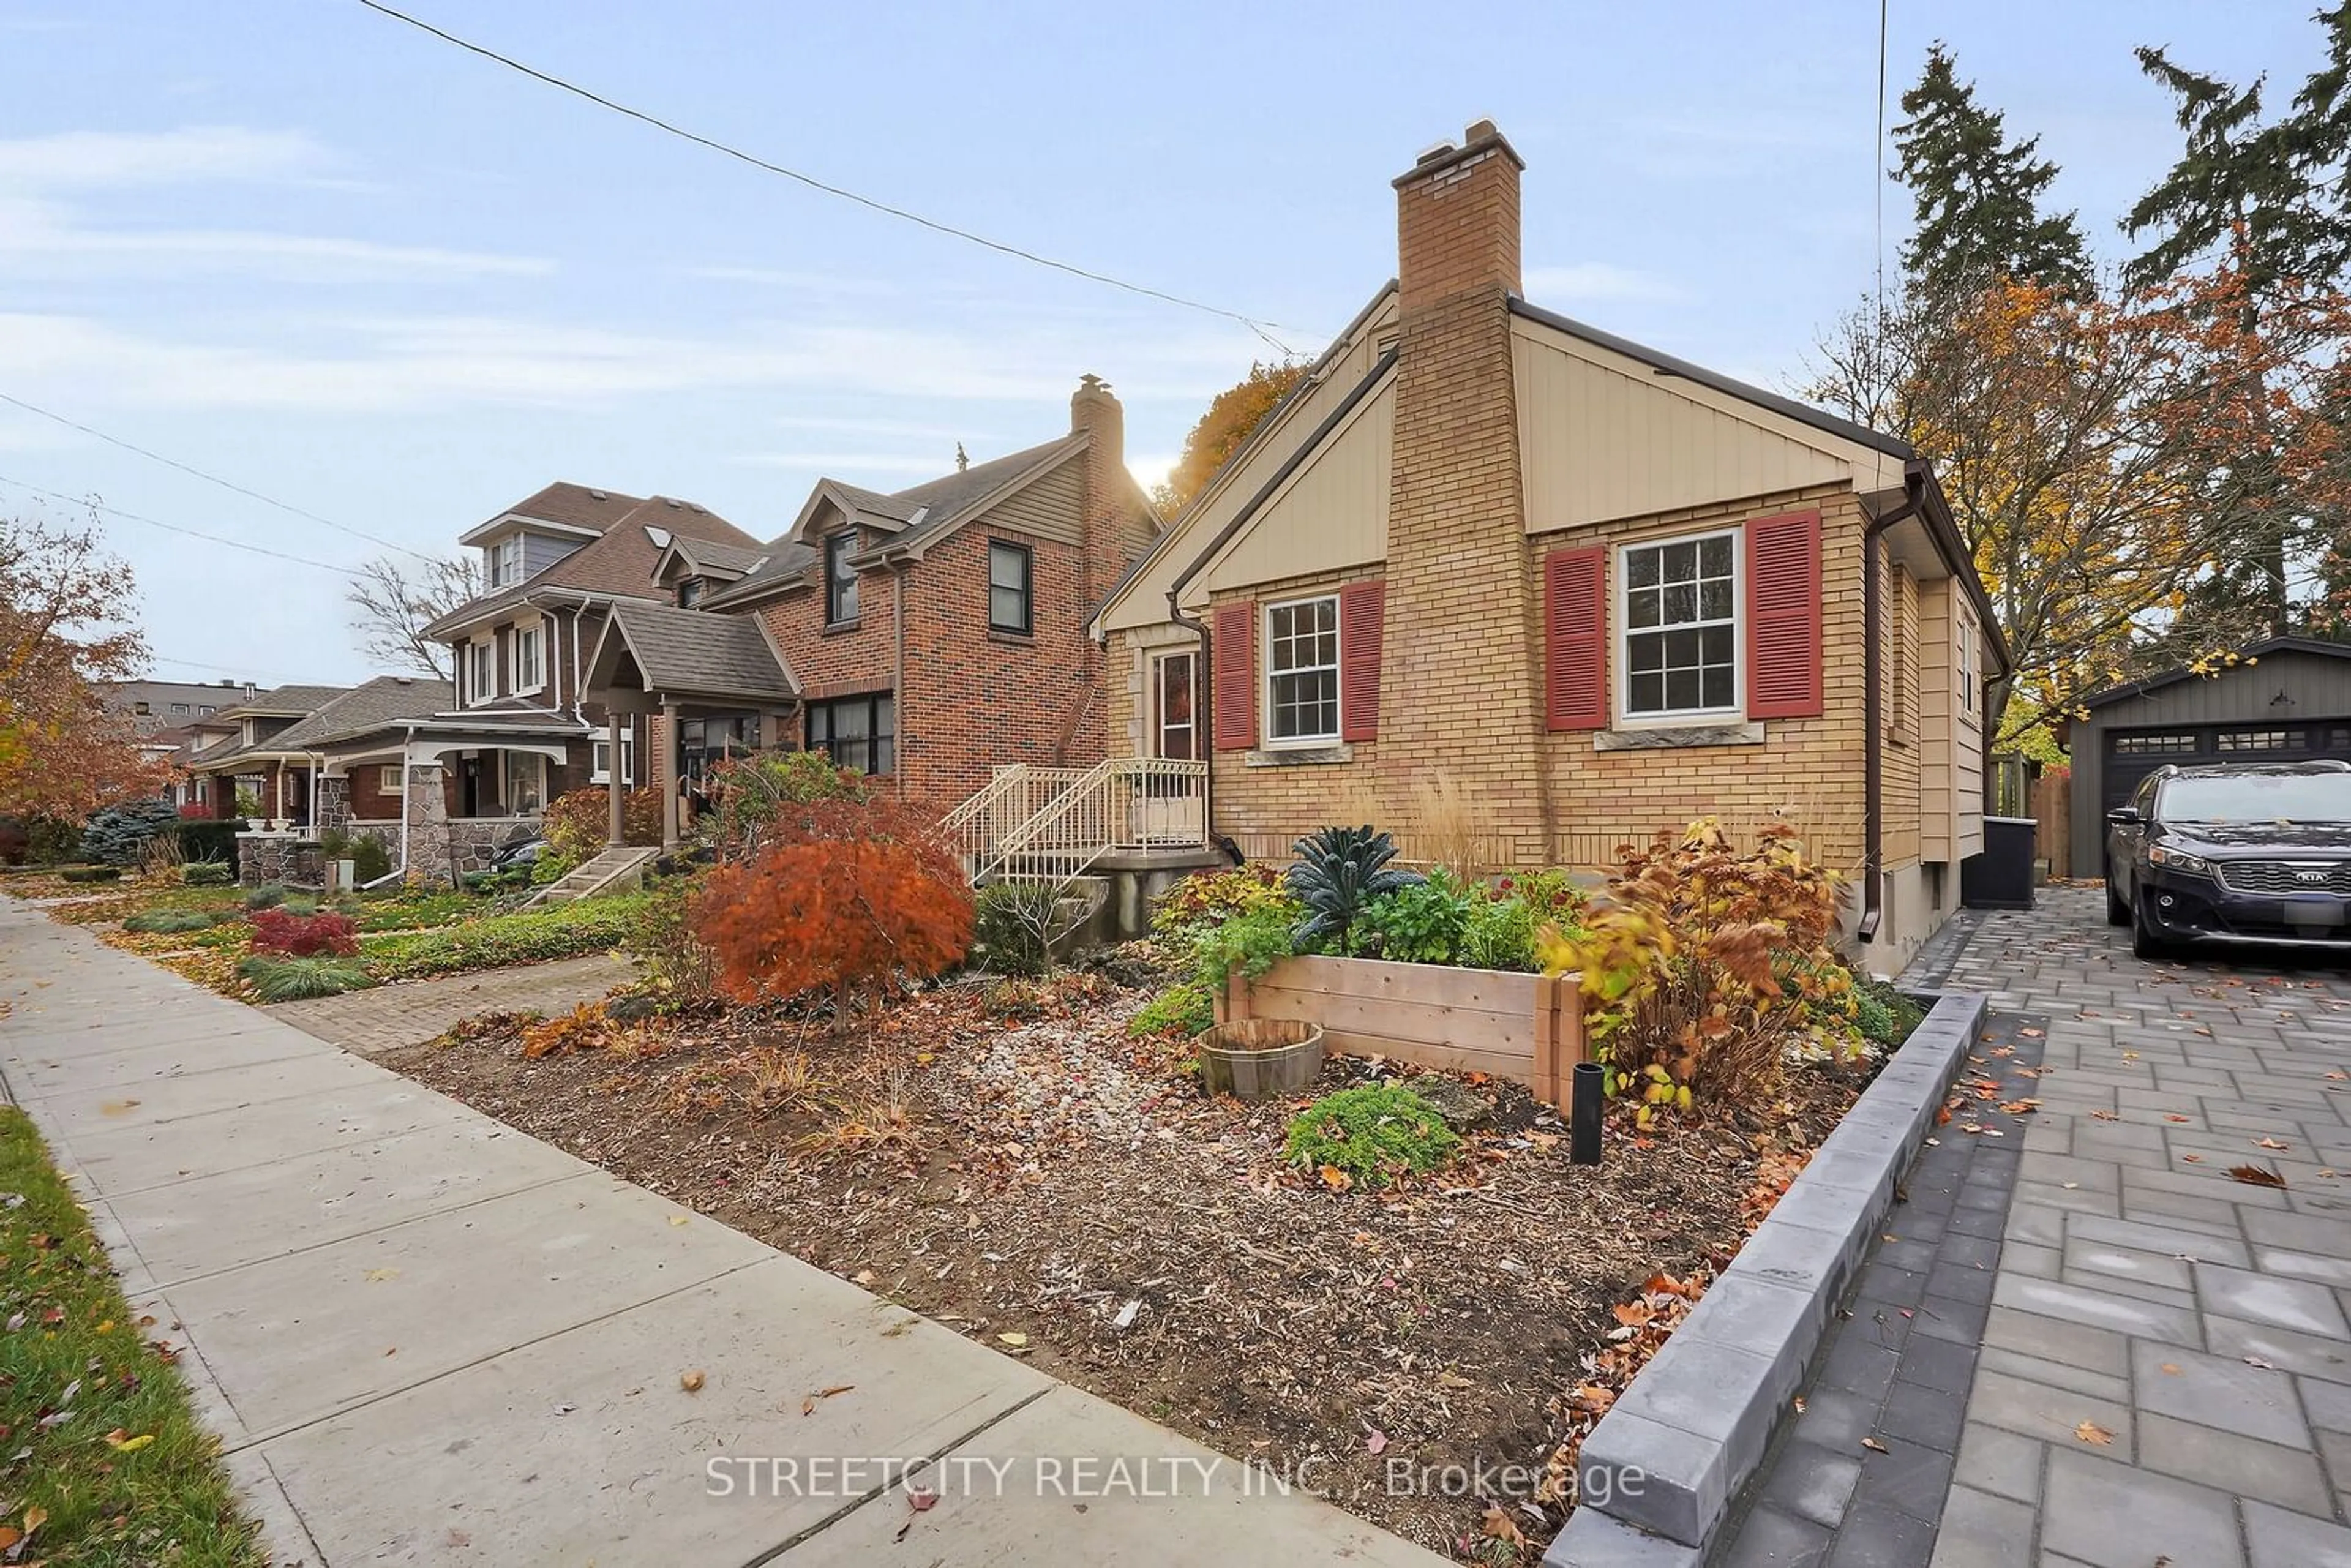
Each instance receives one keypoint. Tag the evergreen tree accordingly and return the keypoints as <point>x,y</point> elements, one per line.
<point>1977,194</point>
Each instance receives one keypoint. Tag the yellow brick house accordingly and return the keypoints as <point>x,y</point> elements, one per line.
<point>1602,591</point>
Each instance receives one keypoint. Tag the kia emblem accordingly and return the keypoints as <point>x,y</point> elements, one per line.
<point>2311,875</point>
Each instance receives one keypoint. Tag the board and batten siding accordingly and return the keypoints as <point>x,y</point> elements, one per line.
<point>1332,513</point>
<point>1052,506</point>
<point>1603,436</point>
<point>540,552</point>
<point>1939,825</point>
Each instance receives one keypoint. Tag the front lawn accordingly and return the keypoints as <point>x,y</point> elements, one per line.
<point>107,1467</point>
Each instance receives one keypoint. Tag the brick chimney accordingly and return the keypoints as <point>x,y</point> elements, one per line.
<point>1462,634</point>
<point>1111,539</point>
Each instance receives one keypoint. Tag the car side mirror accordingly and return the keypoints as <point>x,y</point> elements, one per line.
<point>2124,817</point>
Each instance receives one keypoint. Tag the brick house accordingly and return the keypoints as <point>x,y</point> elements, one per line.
<point>1604,590</point>
<point>931,634</point>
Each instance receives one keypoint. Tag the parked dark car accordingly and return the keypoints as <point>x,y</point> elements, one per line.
<point>2247,852</point>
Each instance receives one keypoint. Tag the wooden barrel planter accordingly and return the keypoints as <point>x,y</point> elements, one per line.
<point>1261,1059</point>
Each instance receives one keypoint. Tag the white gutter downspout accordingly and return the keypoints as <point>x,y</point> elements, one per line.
<point>401,868</point>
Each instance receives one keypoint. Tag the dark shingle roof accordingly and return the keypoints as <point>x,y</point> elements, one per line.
<point>279,701</point>
<point>926,511</point>
<point>621,561</point>
<point>692,650</point>
<point>726,558</point>
<point>384,700</point>
<point>575,506</point>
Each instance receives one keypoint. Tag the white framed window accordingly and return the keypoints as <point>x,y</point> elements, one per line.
<point>525,788</point>
<point>1301,671</point>
<point>600,771</point>
<point>1678,604</point>
<point>504,559</point>
<point>530,658</point>
<point>1964,670</point>
<point>387,780</point>
<point>481,661</point>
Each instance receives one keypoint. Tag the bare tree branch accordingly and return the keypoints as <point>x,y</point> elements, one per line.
<point>392,603</point>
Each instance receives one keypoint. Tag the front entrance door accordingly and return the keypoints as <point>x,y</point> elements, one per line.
<point>469,787</point>
<point>1174,731</point>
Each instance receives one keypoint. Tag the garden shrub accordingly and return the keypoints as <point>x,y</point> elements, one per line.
<point>759,797</point>
<point>844,915</point>
<point>206,873</point>
<point>204,839</point>
<point>677,962</point>
<point>1499,933</point>
<point>292,979</point>
<point>496,941</point>
<point>370,861</point>
<point>1422,922</point>
<point>1707,962</point>
<point>1013,920</point>
<point>91,873</point>
<point>1339,872</point>
<point>1185,1007</point>
<point>1251,943</point>
<point>1207,896</point>
<point>578,822</point>
<point>118,835</point>
<point>169,920</point>
<point>269,896</point>
<point>50,842</point>
<point>1370,1135</point>
<point>1883,1014</point>
<point>247,801</point>
<point>304,936</point>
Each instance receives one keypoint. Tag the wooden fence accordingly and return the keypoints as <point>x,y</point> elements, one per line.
<point>1529,1027</point>
<point>2053,806</point>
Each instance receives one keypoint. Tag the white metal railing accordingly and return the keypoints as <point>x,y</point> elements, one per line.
<point>1124,803</point>
<point>999,808</point>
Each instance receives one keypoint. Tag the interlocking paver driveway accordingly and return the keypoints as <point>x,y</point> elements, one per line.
<point>2199,1320</point>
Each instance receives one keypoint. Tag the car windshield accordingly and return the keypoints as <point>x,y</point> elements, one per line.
<point>2257,798</point>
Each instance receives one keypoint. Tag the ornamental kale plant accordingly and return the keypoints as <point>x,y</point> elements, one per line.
<point>1339,872</point>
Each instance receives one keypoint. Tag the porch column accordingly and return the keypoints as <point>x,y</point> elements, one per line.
<point>668,776</point>
<point>619,727</point>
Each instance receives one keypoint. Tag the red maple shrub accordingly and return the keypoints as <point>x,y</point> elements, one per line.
<point>846,894</point>
<point>303,936</point>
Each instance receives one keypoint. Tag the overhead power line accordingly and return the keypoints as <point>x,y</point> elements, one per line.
<point>173,528</point>
<point>1263,329</point>
<point>212,479</point>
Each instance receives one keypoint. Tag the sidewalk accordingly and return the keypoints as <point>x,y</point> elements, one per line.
<point>426,1338</point>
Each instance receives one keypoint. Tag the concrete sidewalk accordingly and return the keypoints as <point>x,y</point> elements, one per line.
<point>425,1337</point>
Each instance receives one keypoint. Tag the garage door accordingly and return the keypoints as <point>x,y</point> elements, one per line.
<point>2133,754</point>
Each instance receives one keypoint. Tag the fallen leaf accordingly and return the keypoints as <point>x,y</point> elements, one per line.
<point>1376,1442</point>
<point>9,1536</point>
<point>378,1276</point>
<point>1873,1445</point>
<point>2265,1365</point>
<point>122,1445</point>
<point>2268,1144</point>
<point>1797,1404</point>
<point>36,1517</point>
<point>2257,1176</point>
<point>1015,1338</point>
<point>2193,1159</point>
<point>2105,1117</point>
<point>1337,1179</point>
<point>922,1502</point>
<point>1499,1526</point>
<point>690,1382</point>
<point>2174,1118</point>
<point>2171,1369</point>
<point>2092,1433</point>
<point>677,1219</point>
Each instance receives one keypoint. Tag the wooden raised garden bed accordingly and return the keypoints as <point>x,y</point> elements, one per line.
<point>1529,1027</point>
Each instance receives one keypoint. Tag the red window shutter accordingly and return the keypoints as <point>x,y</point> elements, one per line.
<point>1363,611</point>
<point>1236,677</point>
<point>1783,616</point>
<point>1575,639</point>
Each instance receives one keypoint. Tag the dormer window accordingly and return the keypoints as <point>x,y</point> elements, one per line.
<point>505,561</point>
<point>839,580</point>
<point>689,593</point>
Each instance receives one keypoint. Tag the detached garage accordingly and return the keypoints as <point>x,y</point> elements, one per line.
<point>2293,704</point>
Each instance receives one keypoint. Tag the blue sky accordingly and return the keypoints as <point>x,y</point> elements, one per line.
<point>343,264</point>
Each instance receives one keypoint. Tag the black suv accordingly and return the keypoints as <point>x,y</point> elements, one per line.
<point>2249,852</point>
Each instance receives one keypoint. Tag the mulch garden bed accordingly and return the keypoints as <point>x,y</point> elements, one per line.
<point>1007,1160</point>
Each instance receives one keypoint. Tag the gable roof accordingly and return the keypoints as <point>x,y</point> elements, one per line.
<point>692,652</point>
<point>383,700</point>
<point>2172,678</point>
<point>706,555</point>
<point>619,561</point>
<point>283,702</point>
<point>911,519</point>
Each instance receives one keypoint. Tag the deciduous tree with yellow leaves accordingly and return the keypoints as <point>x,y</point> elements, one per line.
<point>64,630</point>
